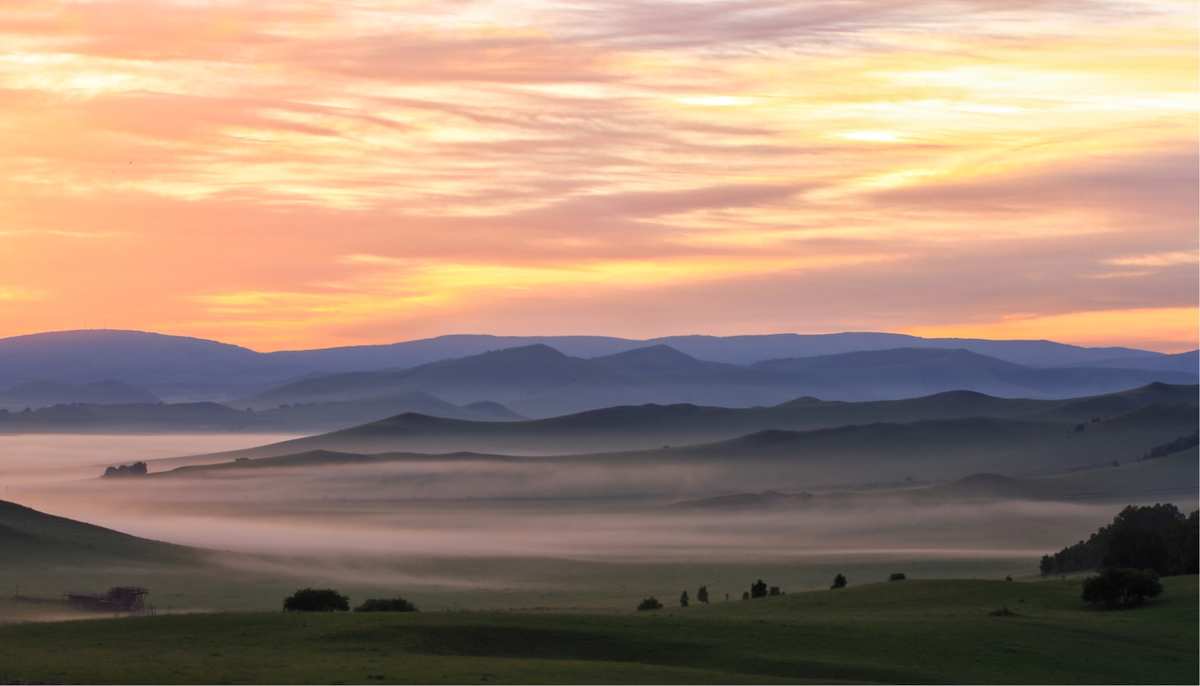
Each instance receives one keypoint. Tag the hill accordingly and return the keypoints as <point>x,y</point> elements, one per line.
<point>35,539</point>
<point>918,631</point>
<point>624,428</point>
<point>34,394</point>
<point>870,453</point>
<point>215,417</point>
<point>179,368</point>
<point>540,381</point>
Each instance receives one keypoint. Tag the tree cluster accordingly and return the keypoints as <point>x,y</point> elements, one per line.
<point>135,469</point>
<point>329,600</point>
<point>1155,537</point>
<point>1171,447</point>
<point>1121,587</point>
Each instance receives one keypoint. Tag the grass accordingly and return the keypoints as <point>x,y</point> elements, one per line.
<point>904,632</point>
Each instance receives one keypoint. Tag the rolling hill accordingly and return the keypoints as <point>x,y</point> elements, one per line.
<point>32,538</point>
<point>215,417</point>
<point>625,428</point>
<point>930,449</point>
<point>540,381</point>
<point>181,368</point>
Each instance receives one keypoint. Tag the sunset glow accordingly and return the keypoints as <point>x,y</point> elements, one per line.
<point>300,174</point>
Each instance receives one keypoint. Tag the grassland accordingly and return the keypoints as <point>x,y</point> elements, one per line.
<point>916,631</point>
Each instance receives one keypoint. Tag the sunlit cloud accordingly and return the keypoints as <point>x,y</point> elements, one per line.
<point>296,173</point>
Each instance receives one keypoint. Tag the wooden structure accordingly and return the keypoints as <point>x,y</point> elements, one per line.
<point>116,599</point>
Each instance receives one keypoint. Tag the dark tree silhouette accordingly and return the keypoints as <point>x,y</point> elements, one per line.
<point>897,576</point>
<point>839,581</point>
<point>1156,537</point>
<point>775,591</point>
<point>386,605</point>
<point>316,600</point>
<point>758,589</point>
<point>650,603</point>
<point>683,599</point>
<point>1121,587</point>
<point>702,594</point>
<point>745,595</point>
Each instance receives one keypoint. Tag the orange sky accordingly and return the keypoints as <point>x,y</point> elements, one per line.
<point>301,174</point>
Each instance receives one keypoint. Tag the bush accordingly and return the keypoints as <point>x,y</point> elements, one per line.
<point>702,594</point>
<point>897,576</point>
<point>839,581</point>
<point>775,591</point>
<point>683,599</point>
<point>316,600</point>
<point>1121,587</point>
<point>758,589</point>
<point>650,603</point>
<point>745,595</point>
<point>396,604</point>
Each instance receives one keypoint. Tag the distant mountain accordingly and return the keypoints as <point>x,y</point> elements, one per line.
<point>540,381</point>
<point>1188,362</point>
<point>173,367</point>
<point>181,368</point>
<point>626,428</point>
<point>886,452</point>
<point>918,371</point>
<point>34,394</point>
<point>209,416</point>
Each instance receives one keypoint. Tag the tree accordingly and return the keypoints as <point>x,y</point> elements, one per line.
<point>1121,587</point>
<point>758,589</point>
<point>1157,537</point>
<point>683,599</point>
<point>897,576</point>
<point>702,594</point>
<point>775,591</point>
<point>650,603</point>
<point>745,595</point>
<point>839,581</point>
<point>316,600</point>
<point>396,604</point>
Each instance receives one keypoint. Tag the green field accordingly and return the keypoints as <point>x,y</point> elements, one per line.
<point>914,631</point>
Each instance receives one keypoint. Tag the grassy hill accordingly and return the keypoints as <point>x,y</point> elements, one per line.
<point>637,427</point>
<point>28,536</point>
<point>887,451</point>
<point>907,632</point>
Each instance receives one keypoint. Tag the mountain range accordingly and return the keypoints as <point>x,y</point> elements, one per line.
<point>179,368</point>
<point>540,381</point>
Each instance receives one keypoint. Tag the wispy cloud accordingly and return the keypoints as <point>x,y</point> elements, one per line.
<point>624,166</point>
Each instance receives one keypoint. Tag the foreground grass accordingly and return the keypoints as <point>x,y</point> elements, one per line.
<point>914,631</point>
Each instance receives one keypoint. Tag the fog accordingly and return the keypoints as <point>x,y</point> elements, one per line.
<point>456,525</point>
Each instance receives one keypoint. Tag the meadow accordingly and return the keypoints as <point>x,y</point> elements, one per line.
<point>929,631</point>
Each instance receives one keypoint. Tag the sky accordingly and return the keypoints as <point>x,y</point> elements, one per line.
<point>294,174</point>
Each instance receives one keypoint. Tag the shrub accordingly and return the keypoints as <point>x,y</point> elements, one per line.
<point>1121,587</point>
<point>396,604</point>
<point>683,599</point>
<point>745,595</point>
<point>897,576</point>
<point>702,594</point>
<point>316,600</point>
<point>839,581</point>
<point>650,603</point>
<point>775,591</point>
<point>758,589</point>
